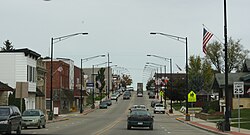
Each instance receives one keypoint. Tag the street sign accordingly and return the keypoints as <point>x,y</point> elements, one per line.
<point>90,85</point>
<point>191,97</point>
<point>161,93</point>
<point>238,88</point>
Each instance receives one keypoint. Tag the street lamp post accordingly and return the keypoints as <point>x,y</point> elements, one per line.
<point>58,39</point>
<point>85,59</point>
<point>157,95</point>
<point>228,94</point>
<point>183,40</point>
<point>171,78</point>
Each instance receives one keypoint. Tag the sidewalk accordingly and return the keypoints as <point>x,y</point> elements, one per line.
<point>206,125</point>
<point>63,117</point>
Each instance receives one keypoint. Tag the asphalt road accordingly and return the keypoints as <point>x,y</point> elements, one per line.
<point>112,121</point>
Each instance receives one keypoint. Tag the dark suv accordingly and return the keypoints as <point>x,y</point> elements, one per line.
<point>10,119</point>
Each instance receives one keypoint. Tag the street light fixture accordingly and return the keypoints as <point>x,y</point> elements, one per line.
<point>53,41</point>
<point>171,78</point>
<point>157,91</point>
<point>85,59</point>
<point>183,40</point>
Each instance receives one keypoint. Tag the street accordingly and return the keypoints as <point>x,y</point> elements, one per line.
<point>114,121</point>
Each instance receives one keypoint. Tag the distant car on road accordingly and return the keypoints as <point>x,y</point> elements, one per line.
<point>139,94</point>
<point>10,119</point>
<point>140,118</point>
<point>151,95</point>
<point>33,118</point>
<point>126,96</point>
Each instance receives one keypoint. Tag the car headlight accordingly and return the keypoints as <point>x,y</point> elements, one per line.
<point>4,122</point>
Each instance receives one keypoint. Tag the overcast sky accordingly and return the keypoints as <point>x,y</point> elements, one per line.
<point>121,28</point>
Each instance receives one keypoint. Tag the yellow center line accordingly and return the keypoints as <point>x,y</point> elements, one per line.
<point>105,129</point>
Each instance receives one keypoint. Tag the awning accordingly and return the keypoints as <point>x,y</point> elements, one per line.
<point>5,87</point>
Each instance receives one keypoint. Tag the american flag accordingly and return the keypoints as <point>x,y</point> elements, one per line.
<point>206,37</point>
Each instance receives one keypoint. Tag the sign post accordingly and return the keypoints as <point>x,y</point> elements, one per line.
<point>191,97</point>
<point>239,90</point>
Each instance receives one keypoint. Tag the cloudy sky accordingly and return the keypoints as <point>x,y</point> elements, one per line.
<point>121,28</point>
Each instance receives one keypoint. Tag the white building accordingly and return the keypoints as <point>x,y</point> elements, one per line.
<point>20,66</point>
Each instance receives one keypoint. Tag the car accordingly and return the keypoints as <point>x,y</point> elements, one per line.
<point>153,102</point>
<point>151,95</point>
<point>128,92</point>
<point>10,119</point>
<point>33,118</point>
<point>108,101</point>
<point>139,94</point>
<point>126,96</point>
<point>159,108</point>
<point>135,107</point>
<point>114,96</point>
<point>103,105</point>
<point>140,118</point>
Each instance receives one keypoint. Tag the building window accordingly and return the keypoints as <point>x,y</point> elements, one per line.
<point>31,73</point>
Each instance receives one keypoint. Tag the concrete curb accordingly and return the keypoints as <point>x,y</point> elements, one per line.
<point>203,128</point>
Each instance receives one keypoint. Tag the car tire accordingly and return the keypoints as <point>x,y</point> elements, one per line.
<point>39,125</point>
<point>44,126</point>
<point>151,127</point>
<point>154,111</point>
<point>128,127</point>
<point>163,112</point>
<point>18,131</point>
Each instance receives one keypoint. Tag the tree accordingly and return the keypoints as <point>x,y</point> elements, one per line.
<point>200,74</point>
<point>236,55</point>
<point>126,80</point>
<point>100,80</point>
<point>7,46</point>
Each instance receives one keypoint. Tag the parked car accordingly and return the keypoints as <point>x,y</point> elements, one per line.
<point>159,108</point>
<point>10,119</point>
<point>103,105</point>
<point>108,101</point>
<point>140,118</point>
<point>114,96</point>
<point>33,118</point>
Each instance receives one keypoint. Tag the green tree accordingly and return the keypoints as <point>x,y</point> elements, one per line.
<point>100,80</point>
<point>236,55</point>
<point>149,84</point>
<point>126,80</point>
<point>200,74</point>
<point>7,46</point>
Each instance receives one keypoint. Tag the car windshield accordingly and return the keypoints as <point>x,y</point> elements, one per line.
<point>4,111</point>
<point>30,113</point>
<point>140,113</point>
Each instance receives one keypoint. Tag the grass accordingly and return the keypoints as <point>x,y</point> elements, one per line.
<point>245,118</point>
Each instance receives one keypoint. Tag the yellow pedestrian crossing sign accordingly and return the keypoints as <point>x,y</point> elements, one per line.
<point>161,93</point>
<point>191,97</point>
